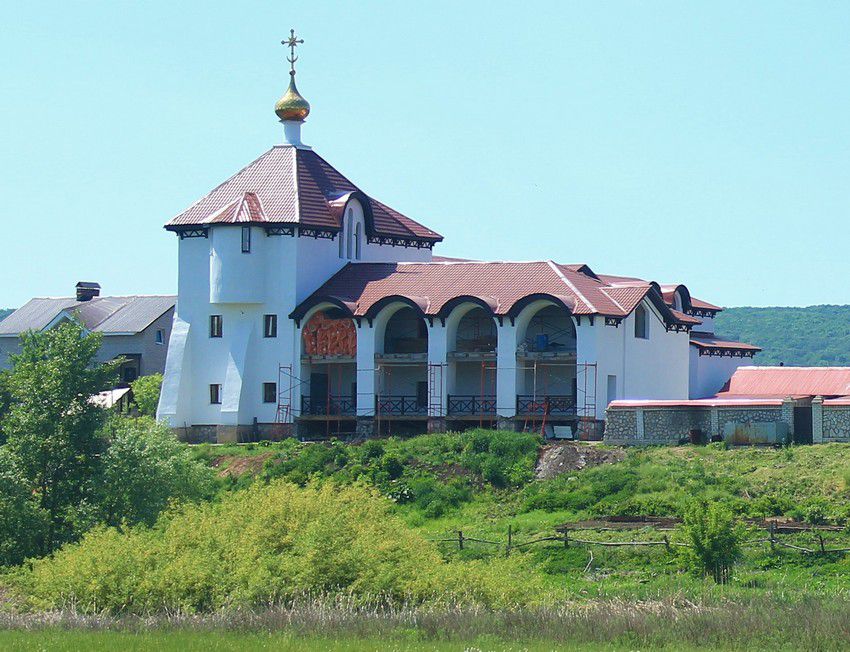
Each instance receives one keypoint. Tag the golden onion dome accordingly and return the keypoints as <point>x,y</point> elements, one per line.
<point>292,106</point>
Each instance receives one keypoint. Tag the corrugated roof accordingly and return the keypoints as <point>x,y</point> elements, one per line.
<point>501,285</point>
<point>108,315</point>
<point>711,341</point>
<point>789,381</point>
<point>718,401</point>
<point>293,186</point>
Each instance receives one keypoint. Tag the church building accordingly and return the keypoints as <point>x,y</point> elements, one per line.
<point>306,306</point>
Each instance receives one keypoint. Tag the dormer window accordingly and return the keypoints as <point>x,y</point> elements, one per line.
<point>246,239</point>
<point>641,323</point>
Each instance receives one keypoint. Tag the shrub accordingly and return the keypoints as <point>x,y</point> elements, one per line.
<point>264,545</point>
<point>716,540</point>
<point>144,469</point>
<point>146,391</point>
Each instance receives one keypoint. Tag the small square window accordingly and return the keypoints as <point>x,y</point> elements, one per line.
<point>269,392</point>
<point>246,239</point>
<point>269,325</point>
<point>160,336</point>
<point>216,326</point>
<point>215,394</point>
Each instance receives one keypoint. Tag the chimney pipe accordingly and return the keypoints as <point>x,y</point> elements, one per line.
<point>86,290</point>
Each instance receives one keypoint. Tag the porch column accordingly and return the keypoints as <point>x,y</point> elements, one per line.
<point>817,420</point>
<point>506,370</point>
<point>438,376</point>
<point>365,370</point>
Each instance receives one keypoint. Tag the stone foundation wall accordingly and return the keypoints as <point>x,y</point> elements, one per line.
<point>234,434</point>
<point>673,425</point>
<point>836,423</point>
<point>621,426</point>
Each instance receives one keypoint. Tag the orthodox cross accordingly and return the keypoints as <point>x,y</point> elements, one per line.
<point>292,42</point>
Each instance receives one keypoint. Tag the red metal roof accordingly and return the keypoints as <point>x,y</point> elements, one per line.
<point>704,305</point>
<point>717,401</point>
<point>359,287</point>
<point>788,381</point>
<point>287,185</point>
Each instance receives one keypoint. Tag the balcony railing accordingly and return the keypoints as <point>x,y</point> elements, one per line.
<point>556,406</point>
<point>336,406</point>
<point>400,406</point>
<point>459,404</point>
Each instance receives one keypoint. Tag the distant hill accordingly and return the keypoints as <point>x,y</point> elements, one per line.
<point>814,337</point>
<point>5,312</point>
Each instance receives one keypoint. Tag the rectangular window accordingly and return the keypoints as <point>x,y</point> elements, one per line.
<point>612,388</point>
<point>215,394</point>
<point>269,325</point>
<point>357,242</point>
<point>246,239</point>
<point>269,392</point>
<point>215,325</point>
<point>160,336</point>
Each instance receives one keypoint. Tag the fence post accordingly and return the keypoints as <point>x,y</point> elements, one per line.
<point>772,536</point>
<point>459,540</point>
<point>510,541</point>
<point>566,538</point>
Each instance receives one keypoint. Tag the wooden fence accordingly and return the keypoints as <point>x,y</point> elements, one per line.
<point>566,535</point>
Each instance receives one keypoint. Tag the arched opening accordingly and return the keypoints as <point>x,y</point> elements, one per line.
<point>641,323</point>
<point>546,363</point>
<point>329,369</point>
<point>471,382</point>
<point>402,363</point>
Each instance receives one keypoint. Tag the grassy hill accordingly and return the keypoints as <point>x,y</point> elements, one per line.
<point>812,336</point>
<point>335,519</point>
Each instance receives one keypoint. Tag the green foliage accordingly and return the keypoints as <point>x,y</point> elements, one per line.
<point>5,312</point>
<point>51,426</point>
<point>433,473</point>
<point>144,469</point>
<point>812,336</point>
<point>716,539</point>
<point>146,391</point>
<point>264,545</point>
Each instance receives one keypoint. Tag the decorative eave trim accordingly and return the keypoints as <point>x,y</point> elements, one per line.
<point>613,321</point>
<point>701,312</point>
<point>397,241</point>
<point>678,327</point>
<point>723,352</point>
<point>192,232</point>
<point>280,230</point>
<point>317,232</point>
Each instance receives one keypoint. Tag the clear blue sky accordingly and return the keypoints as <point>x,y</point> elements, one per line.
<point>705,143</point>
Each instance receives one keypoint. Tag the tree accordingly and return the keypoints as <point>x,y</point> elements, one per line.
<point>716,540</point>
<point>144,469</point>
<point>51,427</point>
<point>146,391</point>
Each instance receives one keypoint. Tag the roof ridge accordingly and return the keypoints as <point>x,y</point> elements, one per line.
<point>570,285</point>
<point>604,289</point>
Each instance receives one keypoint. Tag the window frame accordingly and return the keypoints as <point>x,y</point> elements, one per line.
<point>159,336</point>
<point>246,239</point>
<point>357,250</point>
<point>270,320</point>
<point>215,393</point>
<point>216,326</point>
<point>273,387</point>
<point>641,323</point>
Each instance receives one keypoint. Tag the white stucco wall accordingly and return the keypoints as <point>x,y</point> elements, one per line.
<point>708,374</point>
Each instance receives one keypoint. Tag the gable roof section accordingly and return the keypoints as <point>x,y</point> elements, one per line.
<point>107,315</point>
<point>287,185</point>
<point>789,381</point>
<point>505,287</point>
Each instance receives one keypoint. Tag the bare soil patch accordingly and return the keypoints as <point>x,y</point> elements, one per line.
<point>238,465</point>
<point>563,457</point>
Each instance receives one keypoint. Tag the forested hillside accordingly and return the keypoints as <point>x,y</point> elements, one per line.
<point>4,312</point>
<point>812,336</point>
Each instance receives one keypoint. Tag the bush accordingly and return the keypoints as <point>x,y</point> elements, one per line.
<point>146,390</point>
<point>265,545</point>
<point>144,469</point>
<point>716,540</point>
